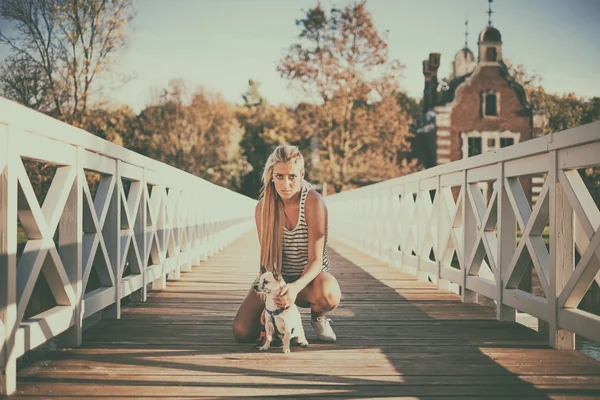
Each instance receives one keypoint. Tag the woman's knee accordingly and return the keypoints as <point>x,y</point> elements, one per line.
<point>246,324</point>
<point>243,333</point>
<point>331,293</point>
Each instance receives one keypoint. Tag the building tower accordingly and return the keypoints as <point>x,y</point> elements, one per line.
<point>464,61</point>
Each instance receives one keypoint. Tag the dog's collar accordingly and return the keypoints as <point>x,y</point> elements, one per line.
<point>276,312</point>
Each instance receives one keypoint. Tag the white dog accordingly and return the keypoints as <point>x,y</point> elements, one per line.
<point>284,322</point>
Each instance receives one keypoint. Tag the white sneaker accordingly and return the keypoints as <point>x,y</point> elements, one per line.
<point>323,328</point>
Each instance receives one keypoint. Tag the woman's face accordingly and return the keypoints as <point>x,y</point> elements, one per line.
<point>287,179</point>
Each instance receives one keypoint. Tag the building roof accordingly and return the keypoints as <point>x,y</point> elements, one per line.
<point>465,53</point>
<point>448,95</point>
<point>490,34</point>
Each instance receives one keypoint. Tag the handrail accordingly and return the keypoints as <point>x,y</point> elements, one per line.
<point>147,221</point>
<point>458,225</point>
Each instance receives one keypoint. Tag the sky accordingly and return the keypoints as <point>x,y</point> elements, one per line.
<point>221,44</point>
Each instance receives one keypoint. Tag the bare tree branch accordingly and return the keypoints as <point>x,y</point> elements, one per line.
<point>71,40</point>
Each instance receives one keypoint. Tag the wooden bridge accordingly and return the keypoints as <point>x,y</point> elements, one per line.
<point>396,337</point>
<point>414,256</point>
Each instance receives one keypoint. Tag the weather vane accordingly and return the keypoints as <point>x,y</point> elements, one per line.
<point>489,13</point>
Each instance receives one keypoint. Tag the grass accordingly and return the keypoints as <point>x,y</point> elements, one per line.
<point>21,237</point>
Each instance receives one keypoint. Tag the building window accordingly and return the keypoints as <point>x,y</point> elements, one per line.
<point>474,143</point>
<point>491,54</point>
<point>474,146</point>
<point>490,105</point>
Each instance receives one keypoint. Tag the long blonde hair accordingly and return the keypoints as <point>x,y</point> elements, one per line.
<point>272,216</point>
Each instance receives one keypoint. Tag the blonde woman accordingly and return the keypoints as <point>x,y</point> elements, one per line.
<point>291,220</point>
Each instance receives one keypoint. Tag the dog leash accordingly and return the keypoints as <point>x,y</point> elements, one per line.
<point>273,314</point>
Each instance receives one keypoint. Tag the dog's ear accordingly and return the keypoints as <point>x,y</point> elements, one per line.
<point>262,269</point>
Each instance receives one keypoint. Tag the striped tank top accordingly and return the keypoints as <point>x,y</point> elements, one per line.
<point>295,246</point>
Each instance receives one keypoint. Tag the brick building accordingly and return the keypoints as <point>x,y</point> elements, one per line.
<point>482,108</point>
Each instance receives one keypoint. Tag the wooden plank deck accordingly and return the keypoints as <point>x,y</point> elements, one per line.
<point>396,338</point>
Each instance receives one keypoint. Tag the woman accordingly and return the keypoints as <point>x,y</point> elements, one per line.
<point>291,220</point>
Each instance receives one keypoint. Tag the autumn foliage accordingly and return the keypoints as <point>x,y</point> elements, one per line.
<point>352,125</point>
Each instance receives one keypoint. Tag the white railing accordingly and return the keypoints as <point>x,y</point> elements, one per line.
<point>420,222</point>
<point>147,221</point>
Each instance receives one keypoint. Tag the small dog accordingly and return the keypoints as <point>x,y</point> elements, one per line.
<point>284,322</point>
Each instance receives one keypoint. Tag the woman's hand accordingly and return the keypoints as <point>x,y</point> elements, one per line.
<point>287,295</point>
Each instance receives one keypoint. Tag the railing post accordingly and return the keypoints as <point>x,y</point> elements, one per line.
<point>402,222</point>
<point>145,203</point>
<point>203,231</point>
<point>159,225</point>
<point>140,229</point>
<point>197,229</point>
<point>368,224</point>
<point>391,229</point>
<point>184,223</point>
<point>112,237</point>
<point>351,208</point>
<point>561,253</point>
<point>359,223</point>
<point>469,236</point>
<point>377,214</point>
<point>216,242</point>
<point>176,233</point>
<point>70,229</point>
<point>194,231</point>
<point>362,244</point>
<point>385,242</point>
<point>442,284</point>
<point>378,234</point>
<point>381,218</point>
<point>8,267</point>
<point>210,232</point>
<point>421,227</point>
<point>507,239</point>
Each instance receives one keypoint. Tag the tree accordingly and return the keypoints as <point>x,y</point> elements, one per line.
<point>117,125</point>
<point>265,127</point>
<point>59,48</point>
<point>23,81</point>
<point>342,64</point>
<point>411,107</point>
<point>562,112</point>
<point>195,132</point>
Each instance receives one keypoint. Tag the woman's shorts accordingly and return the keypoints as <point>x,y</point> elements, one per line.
<point>289,278</point>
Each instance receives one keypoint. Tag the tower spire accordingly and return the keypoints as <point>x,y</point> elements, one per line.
<point>466,31</point>
<point>489,12</point>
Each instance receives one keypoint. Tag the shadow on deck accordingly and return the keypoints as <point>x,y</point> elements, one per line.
<point>396,337</point>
